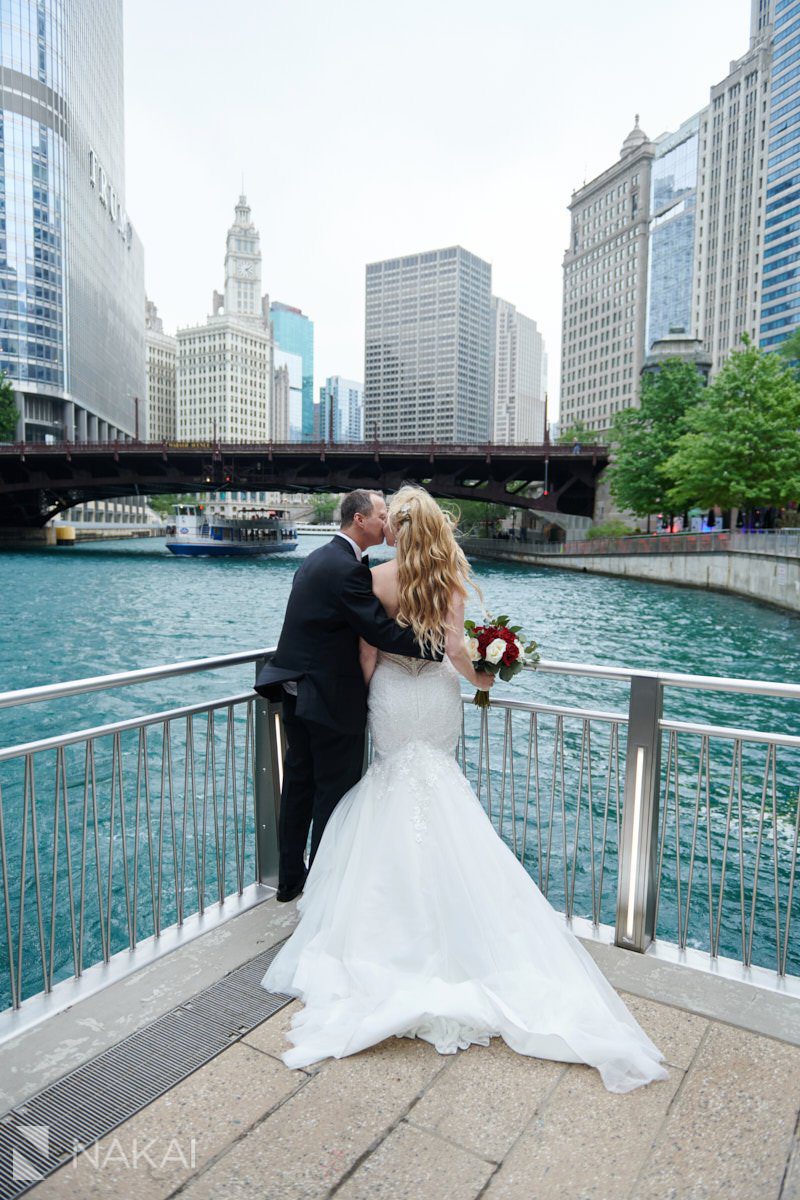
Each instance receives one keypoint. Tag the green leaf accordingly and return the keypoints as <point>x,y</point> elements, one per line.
<point>515,628</point>
<point>503,621</point>
<point>469,626</point>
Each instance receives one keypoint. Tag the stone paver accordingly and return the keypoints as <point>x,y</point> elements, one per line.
<point>306,1147</point>
<point>730,1129</point>
<point>400,1122</point>
<point>270,1035</point>
<point>586,1141</point>
<point>486,1098</point>
<point>676,1033</point>
<point>169,1140</point>
<point>411,1164</point>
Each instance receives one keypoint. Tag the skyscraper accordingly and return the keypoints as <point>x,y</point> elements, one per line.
<point>294,334</point>
<point>673,216</point>
<point>518,376</point>
<point>289,406</point>
<point>605,289</point>
<point>225,367</point>
<point>71,266</point>
<point>162,364</point>
<point>341,410</point>
<point>780,283</point>
<point>730,203</point>
<point>426,374</point>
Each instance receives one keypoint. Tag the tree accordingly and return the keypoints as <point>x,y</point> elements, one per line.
<point>163,504</point>
<point>9,413</point>
<point>790,349</point>
<point>579,432</point>
<point>324,505</point>
<point>742,444</point>
<point>644,439</point>
<point>472,514</point>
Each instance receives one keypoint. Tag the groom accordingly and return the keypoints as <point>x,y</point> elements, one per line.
<point>330,606</point>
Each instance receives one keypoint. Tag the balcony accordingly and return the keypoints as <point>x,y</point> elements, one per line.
<point>138,864</point>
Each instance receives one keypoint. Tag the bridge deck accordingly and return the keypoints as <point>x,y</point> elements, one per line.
<point>401,1121</point>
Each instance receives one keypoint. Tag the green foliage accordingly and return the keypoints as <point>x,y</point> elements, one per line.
<point>475,516</point>
<point>742,444</point>
<point>609,529</point>
<point>9,412</point>
<point>163,504</point>
<point>645,438</point>
<point>579,432</point>
<point>790,349</point>
<point>323,505</point>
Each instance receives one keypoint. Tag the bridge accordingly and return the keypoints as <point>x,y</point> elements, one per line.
<point>38,481</point>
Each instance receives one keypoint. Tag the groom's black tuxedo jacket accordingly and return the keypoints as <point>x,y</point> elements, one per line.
<point>330,606</point>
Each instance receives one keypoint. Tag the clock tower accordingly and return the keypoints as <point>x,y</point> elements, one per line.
<point>242,297</point>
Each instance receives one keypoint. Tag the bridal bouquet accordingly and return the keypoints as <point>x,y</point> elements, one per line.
<point>494,647</point>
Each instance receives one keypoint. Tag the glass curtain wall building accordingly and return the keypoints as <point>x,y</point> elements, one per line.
<point>673,207</point>
<point>341,410</point>
<point>293,332</point>
<point>780,293</point>
<point>71,267</point>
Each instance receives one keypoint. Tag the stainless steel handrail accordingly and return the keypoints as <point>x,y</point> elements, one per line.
<point>97,683</point>
<point>100,683</point>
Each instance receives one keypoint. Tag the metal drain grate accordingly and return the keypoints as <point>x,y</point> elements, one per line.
<point>37,1137</point>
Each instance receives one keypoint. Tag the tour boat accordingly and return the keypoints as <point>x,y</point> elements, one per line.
<point>254,531</point>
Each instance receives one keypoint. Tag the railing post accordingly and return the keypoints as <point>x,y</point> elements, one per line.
<point>269,752</point>
<point>638,866</point>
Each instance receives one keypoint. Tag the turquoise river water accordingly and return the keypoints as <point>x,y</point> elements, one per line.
<point>100,608</point>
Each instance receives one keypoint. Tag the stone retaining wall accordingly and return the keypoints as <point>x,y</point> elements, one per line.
<point>770,578</point>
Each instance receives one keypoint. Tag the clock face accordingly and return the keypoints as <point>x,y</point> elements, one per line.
<point>245,269</point>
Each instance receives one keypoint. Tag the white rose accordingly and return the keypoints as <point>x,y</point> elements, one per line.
<point>473,649</point>
<point>495,650</point>
<point>521,648</point>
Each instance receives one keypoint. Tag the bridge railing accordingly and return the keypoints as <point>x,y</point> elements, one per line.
<point>785,543</point>
<point>120,841</point>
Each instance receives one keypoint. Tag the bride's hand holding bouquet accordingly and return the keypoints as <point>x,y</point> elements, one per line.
<point>495,649</point>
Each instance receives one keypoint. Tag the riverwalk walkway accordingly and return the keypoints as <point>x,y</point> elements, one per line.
<point>400,1121</point>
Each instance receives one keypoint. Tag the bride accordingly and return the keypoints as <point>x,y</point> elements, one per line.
<point>417,920</point>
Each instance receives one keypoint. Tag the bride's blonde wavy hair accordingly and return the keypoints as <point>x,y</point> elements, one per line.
<point>431,566</point>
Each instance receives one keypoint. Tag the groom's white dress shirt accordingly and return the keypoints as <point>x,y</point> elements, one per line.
<point>291,687</point>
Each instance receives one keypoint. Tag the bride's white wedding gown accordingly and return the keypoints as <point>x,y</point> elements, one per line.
<point>418,921</point>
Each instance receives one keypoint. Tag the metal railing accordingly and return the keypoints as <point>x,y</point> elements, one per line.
<point>784,543</point>
<point>121,832</point>
<point>119,840</point>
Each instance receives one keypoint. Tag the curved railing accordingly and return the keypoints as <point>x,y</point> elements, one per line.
<point>120,840</point>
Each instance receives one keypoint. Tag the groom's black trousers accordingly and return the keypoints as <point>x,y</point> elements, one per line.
<point>321,764</point>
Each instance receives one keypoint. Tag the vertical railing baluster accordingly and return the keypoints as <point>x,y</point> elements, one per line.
<point>636,891</point>
<point>684,931</point>
<point>735,762</point>
<point>15,996</point>
<point>527,787</point>
<point>790,895</point>
<point>123,824</point>
<point>762,810</point>
<point>54,878</point>
<point>36,874</point>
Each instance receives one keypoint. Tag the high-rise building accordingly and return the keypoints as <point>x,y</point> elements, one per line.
<point>294,334</point>
<point>605,289</point>
<point>341,410</point>
<point>780,283</point>
<point>289,405</point>
<point>162,364</point>
<point>225,367</point>
<point>762,14</point>
<point>71,266</point>
<point>673,216</point>
<point>730,204</point>
<point>518,377</point>
<point>428,319</point>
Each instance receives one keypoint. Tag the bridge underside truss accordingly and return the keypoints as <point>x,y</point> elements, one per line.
<point>39,482</point>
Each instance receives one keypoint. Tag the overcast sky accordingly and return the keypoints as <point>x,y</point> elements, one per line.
<point>366,129</point>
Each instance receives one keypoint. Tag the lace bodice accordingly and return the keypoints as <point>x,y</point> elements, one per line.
<point>414,700</point>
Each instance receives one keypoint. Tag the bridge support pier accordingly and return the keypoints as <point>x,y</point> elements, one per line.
<point>11,536</point>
